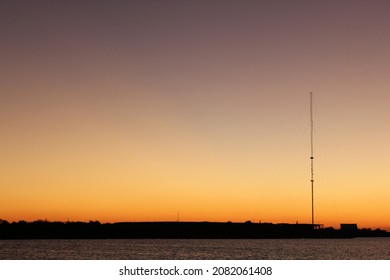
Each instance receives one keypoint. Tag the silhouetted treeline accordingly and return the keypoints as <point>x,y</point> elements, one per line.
<point>95,230</point>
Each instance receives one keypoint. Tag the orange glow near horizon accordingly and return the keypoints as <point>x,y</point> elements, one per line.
<point>199,113</point>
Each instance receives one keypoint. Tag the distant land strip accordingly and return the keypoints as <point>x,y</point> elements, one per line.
<point>173,230</point>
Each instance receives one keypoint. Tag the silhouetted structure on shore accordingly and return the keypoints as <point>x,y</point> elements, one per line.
<point>173,230</point>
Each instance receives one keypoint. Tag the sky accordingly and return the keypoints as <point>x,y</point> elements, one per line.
<point>195,111</point>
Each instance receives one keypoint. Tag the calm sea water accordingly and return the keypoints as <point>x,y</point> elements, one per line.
<point>298,249</point>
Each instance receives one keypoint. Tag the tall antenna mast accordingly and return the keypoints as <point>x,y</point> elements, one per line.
<point>312,158</point>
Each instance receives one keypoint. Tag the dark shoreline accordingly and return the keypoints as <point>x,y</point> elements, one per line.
<point>174,230</point>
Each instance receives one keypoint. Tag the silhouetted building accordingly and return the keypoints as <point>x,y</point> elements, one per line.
<point>348,227</point>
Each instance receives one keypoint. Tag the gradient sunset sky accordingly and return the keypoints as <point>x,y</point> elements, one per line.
<point>197,110</point>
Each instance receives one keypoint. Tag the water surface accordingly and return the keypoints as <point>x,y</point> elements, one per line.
<point>245,249</point>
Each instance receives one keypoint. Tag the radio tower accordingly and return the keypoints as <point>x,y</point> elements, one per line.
<point>312,158</point>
